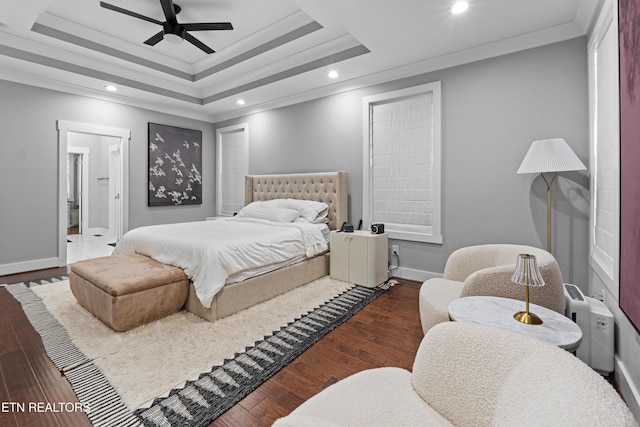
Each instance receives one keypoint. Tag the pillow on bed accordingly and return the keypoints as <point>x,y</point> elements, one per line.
<point>308,209</point>
<point>259,210</point>
<point>319,220</point>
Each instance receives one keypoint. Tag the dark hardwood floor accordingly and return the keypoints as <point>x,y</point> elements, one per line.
<point>386,332</point>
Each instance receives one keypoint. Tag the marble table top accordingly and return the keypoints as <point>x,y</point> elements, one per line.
<point>556,329</point>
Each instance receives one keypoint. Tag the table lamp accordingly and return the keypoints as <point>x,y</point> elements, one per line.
<point>527,274</point>
<point>550,155</point>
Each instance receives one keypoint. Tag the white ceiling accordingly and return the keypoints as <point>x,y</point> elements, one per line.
<point>278,53</point>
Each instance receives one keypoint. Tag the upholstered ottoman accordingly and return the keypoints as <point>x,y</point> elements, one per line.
<point>127,290</point>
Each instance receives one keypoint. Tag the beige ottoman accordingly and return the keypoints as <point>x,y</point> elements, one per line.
<point>127,290</point>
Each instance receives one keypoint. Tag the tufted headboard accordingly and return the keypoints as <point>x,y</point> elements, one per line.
<point>328,187</point>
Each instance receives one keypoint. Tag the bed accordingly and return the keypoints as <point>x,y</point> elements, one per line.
<point>329,188</point>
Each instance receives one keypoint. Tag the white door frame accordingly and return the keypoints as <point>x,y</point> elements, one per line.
<point>84,185</point>
<point>64,127</point>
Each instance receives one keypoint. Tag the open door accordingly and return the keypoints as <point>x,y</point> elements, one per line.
<point>69,129</point>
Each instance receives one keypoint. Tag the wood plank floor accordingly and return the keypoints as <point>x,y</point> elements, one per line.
<point>386,332</point>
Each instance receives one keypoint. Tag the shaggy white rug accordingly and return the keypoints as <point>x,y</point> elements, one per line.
<point>147,362</point>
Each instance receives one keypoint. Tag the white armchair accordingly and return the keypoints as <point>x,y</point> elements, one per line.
<point>471,376</point>
<point>487,270</point>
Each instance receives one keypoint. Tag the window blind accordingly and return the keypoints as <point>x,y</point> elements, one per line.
<point>402,144</point>
<point>233,165</point>
<point>606,156</point>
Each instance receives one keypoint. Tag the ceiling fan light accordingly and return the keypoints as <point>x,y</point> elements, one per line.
<point>173,38</point>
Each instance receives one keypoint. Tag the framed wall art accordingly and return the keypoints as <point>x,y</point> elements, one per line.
<point>175,166</point>
<point>629,45</point>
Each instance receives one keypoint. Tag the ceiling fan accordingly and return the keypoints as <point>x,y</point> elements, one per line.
<point>171,29</point>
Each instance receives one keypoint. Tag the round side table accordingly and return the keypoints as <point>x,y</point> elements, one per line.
<point>498,312</point>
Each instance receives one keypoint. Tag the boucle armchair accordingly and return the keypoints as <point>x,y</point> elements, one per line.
<point>487,270</point>
<point>471,375</point>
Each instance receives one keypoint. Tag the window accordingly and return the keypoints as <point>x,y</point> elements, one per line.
<point>402,163</point>
<point>233,164</point>
<point>605,152</point>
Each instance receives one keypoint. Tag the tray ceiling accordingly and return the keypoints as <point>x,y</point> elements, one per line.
<point>279,52</point>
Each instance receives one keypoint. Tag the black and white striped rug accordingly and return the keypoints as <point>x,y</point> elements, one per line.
<point>200,401</point>
<point>103,405</point>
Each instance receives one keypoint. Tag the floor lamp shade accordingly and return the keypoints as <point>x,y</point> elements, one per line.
<point>550,156</point>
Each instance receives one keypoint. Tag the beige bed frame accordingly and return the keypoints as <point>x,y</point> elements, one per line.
<point>328,187</point>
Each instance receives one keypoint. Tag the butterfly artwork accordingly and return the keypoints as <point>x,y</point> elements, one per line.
<point>175,165</point>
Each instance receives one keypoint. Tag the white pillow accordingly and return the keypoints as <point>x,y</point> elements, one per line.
<point>260,211</point>
<point>308,209</point>
<point>319,220</point>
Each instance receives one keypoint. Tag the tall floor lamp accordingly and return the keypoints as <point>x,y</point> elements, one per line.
<point>550,156</point>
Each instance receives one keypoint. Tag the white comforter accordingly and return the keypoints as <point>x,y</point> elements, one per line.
<point>211,251</point>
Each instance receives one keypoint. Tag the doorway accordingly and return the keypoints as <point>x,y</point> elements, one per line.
<point>77,188</point>
<point>110,179</point>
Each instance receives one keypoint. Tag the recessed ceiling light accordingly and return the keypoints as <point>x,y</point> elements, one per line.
<point>111,88</point>
<point>459,7</point>
<point>333,74</point>
<point>240,102</point>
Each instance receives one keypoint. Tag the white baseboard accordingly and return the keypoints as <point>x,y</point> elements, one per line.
<point>413,274</point>
<point>628,389</point>
<point>36,264</point>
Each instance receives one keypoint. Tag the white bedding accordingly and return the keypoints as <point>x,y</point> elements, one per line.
<point>211,251</point>
<point>253,272</point>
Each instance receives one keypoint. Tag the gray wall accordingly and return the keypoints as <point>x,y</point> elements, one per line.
<point>491,112</point>
<point>29,171</point>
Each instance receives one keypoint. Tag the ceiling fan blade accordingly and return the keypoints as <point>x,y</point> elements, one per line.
<point>155,39</point>
<point>197,43</point>
<point>128,12</point>
<point>206,26</point>
<point>169,11</point>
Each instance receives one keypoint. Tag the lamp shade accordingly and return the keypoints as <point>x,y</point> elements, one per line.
<point>527,272</point>
<point>550,155</point>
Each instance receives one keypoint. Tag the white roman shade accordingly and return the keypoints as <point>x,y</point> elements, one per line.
<point>233,165</point>
<point>402,164</point>
<point>605,155</point>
